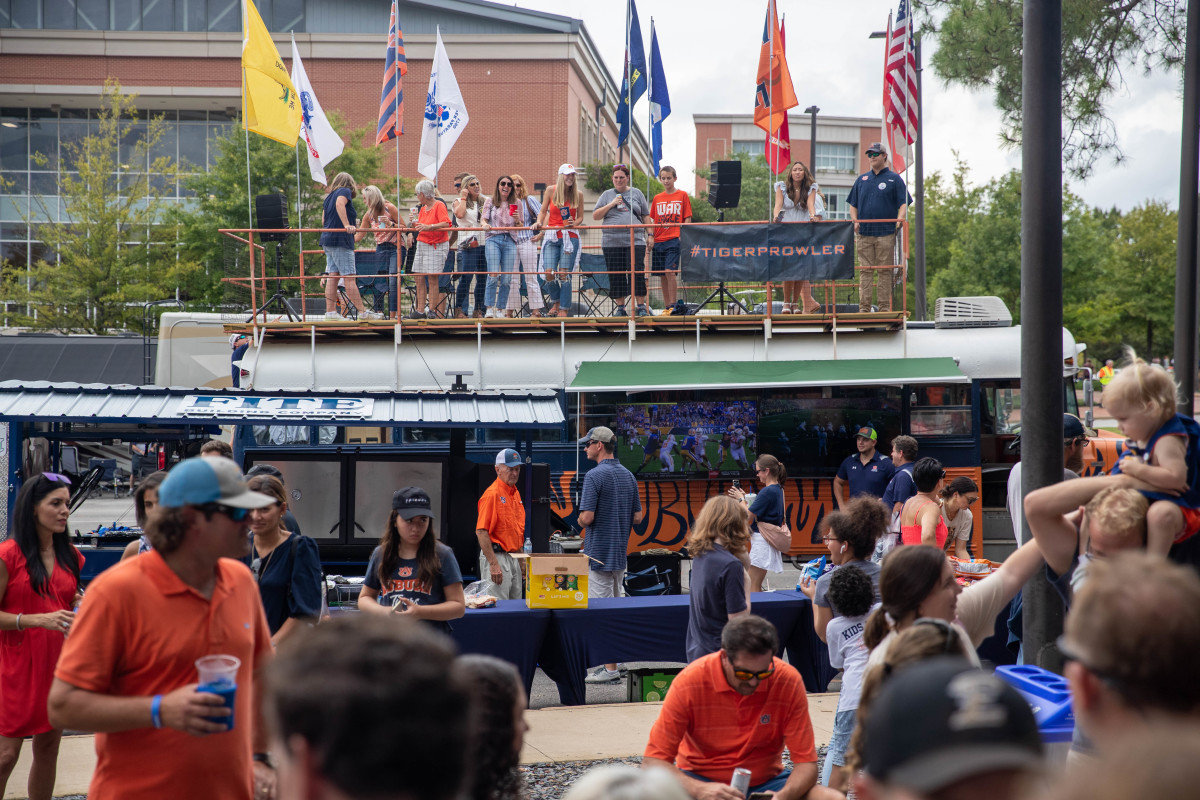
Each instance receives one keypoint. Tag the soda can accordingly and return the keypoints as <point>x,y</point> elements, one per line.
<point>741,780</point>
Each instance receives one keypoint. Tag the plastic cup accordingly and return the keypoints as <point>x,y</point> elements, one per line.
<point>218,675</point>
<point>512,210</point>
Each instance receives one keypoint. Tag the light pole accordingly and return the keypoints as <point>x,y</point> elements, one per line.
<point>812,138</point>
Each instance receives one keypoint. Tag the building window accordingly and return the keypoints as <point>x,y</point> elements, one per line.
<point>835,158</point>
<point>147,15</point>
<point>835,202</point>
<point>750,147</point>
<point>589,144</point>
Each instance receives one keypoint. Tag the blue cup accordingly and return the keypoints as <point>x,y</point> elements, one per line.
<point>218,675</point>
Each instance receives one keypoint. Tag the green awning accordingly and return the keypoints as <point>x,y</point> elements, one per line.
<point>625,376</point>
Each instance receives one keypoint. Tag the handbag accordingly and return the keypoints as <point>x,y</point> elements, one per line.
<point>778,536</point>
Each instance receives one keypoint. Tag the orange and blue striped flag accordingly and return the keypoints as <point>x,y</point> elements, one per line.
<point>391,100</point>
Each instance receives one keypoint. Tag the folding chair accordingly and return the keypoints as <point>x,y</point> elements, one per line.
<point>647,582</point>
<point>595,283</point>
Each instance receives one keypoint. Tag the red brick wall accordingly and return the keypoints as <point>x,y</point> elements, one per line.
<point>866,137</point>
<point>706,154</point>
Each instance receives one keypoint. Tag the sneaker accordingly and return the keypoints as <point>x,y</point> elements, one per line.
<point>603,676</point>
<point>334,315</point>
<point>415,315</point>
<point>490,314</point>
<point>370,315</point>
<point>620,311</point>
<point>642,311</point>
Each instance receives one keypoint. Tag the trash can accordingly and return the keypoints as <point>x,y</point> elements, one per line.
<point>1049,696</point>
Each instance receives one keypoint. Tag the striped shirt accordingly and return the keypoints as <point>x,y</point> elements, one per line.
<point>706,727</point>
<point>611,492</point>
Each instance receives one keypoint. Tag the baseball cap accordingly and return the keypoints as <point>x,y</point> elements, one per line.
<point>208,479</point>
<point>599,434</point>
<point>876,147</point>
<point>412,501</point>
<point>867,432</point>
<point>508,458</point>
<point>567,169</point>
<point>1073,426</point>
<point>940,721</point>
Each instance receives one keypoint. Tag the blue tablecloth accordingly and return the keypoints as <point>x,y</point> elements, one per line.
<point>654,629</point>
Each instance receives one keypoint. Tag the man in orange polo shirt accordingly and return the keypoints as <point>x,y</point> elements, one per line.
<point>734,708</point>
<point>501,528</point>
<point>127,671</point>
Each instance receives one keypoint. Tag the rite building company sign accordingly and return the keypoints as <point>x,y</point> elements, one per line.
<point>222,405</point>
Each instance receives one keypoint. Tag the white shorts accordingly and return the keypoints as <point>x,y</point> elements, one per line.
<point>667,462</point>
<point>605,584</point>
<point>430,258</point>
<point>737,453</point>
<point>762,555</point>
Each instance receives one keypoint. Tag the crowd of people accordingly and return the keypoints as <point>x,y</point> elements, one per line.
<point>522,251</point>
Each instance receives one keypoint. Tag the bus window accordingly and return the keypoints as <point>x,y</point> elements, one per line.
<point>1001,409</point>
<point>940,410</point>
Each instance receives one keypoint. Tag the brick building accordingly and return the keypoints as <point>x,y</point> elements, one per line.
<point>841,142</point>
<point>534,84</point>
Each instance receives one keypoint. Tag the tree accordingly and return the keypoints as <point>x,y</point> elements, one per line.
<point>980,47</point>
<point>111,254</point>
<point>222,201</point>
<point>757,198</point>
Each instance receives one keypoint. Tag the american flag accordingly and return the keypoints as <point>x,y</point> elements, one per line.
<point>391,100</point>
<point>900,90</point>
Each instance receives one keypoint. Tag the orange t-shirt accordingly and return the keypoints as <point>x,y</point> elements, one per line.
<point>502,515</point>
<point>705,727</point>
<point>670,208</point>
<point>138,633</point>
<point>432,215</point>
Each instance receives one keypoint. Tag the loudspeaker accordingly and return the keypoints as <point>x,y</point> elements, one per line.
<point>725,184</point>
<point>271,212</point>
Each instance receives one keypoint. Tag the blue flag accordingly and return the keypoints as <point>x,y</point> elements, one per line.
<point>660,103</point>
<point>635,75</point>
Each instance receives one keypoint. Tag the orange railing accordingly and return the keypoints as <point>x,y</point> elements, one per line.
<point>602,274</point>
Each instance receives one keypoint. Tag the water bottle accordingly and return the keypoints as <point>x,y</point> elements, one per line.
<point>528,545</point>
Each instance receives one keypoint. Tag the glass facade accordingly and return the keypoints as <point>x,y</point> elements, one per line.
<point>148,15</point>
<point>835,202</point>
<point>836,158</point>
<point>32,163</point>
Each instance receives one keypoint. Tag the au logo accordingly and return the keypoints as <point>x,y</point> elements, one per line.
<point>405,572</point>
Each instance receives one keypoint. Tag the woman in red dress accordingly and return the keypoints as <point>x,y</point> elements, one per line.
<point>39,582</point>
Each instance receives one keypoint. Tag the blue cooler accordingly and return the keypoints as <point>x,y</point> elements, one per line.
<point>1049,696</point>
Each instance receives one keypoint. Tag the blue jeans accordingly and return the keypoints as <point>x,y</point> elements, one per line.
<point>501,253</point>
<point>470,260</point>
<point>553,260</point>
<point>839,740</point>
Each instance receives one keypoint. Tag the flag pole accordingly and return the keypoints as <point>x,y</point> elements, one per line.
<point>770,84</point>
<point>628,87</point>
<point>437,119</point>
<point>246,128</point>
<point>299,213</point>
<point>396,123</point>
<point>649,107</point>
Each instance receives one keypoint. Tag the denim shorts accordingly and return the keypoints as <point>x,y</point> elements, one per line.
<point>339,260</point>
<point>839,740</point>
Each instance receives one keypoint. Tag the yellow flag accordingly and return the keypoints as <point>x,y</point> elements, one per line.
<point>272,107</point>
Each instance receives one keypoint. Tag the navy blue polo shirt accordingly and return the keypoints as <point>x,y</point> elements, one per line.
<point>902,485</point>
<point>878,197</point>
<point>872,479</point>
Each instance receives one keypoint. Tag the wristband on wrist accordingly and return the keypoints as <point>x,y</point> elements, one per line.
<point>18,622</point>
<point>156,711</point>
<point>264,758</point>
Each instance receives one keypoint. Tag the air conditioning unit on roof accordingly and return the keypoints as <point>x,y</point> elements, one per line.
<point>971,312</point>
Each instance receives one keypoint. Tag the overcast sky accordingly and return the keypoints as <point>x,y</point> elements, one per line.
<point>710,53</point>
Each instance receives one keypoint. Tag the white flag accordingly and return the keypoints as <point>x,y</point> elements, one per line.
<point>445,114</point>
<point>320,139</point>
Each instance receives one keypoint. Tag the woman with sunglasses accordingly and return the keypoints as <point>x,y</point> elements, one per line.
<point>501,213</point>
<point>528,211</point>
<point>720,591</point>
<point>919,581</point>
<point>411,573</point>
<point>39,585</point>
<point>562,205</point>
<point>921,517</point>
<point>145,500</point>
<point>957,499</point>
<point>768,508</point>
<point>471,263</point>
<point>850,536</point>
<point>286,565</point>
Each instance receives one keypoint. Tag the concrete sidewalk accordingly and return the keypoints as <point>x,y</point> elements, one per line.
<point>564,733</point>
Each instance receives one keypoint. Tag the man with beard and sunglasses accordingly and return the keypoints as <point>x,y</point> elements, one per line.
<point>128,671</point>
<point>737,708</point>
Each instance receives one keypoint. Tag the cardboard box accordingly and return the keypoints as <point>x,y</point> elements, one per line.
<point>555,581</point>
<point>650,685</point>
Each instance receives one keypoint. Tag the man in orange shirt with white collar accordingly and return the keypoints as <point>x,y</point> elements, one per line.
<point>500,528</point>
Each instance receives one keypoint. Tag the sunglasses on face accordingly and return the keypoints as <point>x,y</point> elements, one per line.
<point>872,154</point>
<point>56,477</point>
<point>235,514</point>
<point>745,674</point>
<point>505,183</point>
<point>458,185</point>
<point>519,185</point>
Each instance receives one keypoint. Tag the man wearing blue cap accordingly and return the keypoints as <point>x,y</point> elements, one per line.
<point>128,669</point>
<point>500,528</point>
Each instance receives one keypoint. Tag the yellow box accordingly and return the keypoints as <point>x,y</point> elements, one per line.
<point>555,581</point>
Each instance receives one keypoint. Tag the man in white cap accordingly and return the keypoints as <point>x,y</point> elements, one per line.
<point>128,671</point>
<point>878,194</point>
<point>608,510</point>
<point>500,528</point>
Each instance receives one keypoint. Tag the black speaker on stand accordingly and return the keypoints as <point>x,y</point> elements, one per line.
<point>270,211</point>
<point>724,191</point>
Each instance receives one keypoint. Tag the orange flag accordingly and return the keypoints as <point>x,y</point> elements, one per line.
<point>773,95</point>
